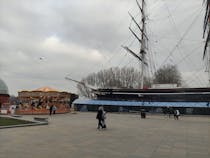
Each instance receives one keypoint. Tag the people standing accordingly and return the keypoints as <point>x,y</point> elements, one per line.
<point>170,112</point>
<point>47,107</point>
<point>176,114</point>
<point>54,109</point>
<point>101,118</point>
<point>51,109</point>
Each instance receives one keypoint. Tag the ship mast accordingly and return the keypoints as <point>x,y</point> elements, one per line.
<point>206,31</point>
<point>142,40</point>
<point>143,44</point>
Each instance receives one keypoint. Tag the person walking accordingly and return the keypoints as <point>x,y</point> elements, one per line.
<point>170,112</point>
<point>103,119</point>
<point>54,109</point>
<point>176,114</point>
<point>51,109</point>
<point>100,116</point>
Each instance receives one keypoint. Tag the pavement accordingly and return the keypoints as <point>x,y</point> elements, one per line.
<point>127,135</point>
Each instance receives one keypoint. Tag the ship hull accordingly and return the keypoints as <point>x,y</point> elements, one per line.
<point>161,95</point>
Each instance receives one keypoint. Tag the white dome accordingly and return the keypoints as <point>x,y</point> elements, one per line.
<point>3,87</point>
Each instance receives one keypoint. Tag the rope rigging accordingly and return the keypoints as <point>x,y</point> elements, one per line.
<point>182,37</point>
<point>154,47</point>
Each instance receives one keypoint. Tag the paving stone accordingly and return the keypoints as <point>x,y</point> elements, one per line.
<point>76,136</point>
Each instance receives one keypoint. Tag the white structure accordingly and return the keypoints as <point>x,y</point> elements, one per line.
<point>164,86</point>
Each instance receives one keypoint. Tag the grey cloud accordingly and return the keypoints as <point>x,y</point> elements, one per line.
<point>91,25</point>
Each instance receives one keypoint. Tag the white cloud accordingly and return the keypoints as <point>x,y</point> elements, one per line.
<point>197,78</point>
<point>55,45</point>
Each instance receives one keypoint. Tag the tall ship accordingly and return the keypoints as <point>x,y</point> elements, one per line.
<point>160,95</point>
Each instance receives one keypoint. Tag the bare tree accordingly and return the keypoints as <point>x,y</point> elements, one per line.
<point>168,74</point>
<point>84,90</point>
<point>115,77</point>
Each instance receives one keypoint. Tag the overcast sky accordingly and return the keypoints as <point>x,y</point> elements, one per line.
<point>42,41</point>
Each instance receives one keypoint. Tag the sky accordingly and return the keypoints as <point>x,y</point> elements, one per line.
<point>43,41</point>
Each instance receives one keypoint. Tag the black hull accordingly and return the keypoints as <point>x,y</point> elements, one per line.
<point>161,95</point>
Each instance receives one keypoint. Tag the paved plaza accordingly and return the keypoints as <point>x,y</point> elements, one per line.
<point>127,136</point>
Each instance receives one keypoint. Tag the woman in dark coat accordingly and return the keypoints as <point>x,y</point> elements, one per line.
<point>51,109</point>
<point>100,117</point>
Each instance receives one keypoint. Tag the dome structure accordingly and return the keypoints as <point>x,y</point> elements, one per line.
<point>3,87</point>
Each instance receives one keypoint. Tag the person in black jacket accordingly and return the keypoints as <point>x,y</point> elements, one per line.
<point>51,109</point>
<point>100,118</point>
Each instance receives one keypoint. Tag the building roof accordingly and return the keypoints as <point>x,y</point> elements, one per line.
<point>3,87</point>
<point>46,89</point>
<point>139,103</point>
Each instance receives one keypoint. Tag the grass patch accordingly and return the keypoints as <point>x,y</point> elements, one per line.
<point>5,121</point>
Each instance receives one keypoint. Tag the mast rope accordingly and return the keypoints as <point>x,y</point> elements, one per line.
<point>182,37</point>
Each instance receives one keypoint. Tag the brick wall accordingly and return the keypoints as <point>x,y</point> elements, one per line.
<point>4,98</point>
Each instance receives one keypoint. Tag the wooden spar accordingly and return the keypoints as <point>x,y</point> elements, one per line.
<point>87,88</point>
<point>140,41</point>
<point>134,54</point>
<point>138,25</point>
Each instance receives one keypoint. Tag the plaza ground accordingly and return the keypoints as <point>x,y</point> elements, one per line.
<point>76,136</point>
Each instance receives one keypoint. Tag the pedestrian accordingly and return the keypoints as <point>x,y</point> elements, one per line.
<point>51,109</point>
<point>176,114</point>
<point>170,111</point>
<point>32,105</point>
<point>103,119</point>
<point>47,107</point>
<point>143,113</point>
<point>54,109</point>
<point>100,116</point>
